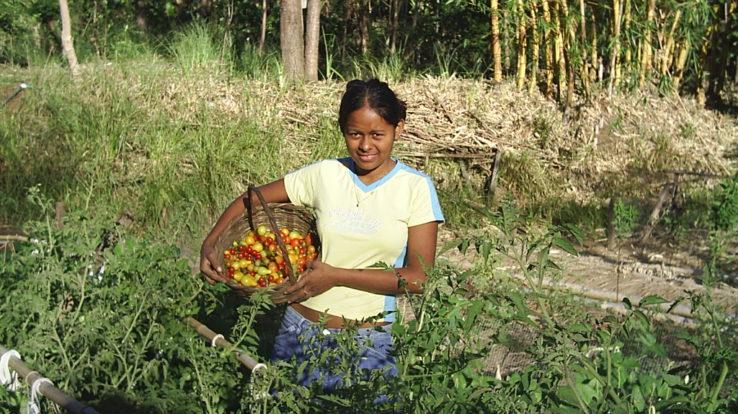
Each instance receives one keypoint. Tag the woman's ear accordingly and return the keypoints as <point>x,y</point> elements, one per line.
<point>399,128</point>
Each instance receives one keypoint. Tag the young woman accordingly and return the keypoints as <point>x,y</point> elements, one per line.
<point>370,208</point>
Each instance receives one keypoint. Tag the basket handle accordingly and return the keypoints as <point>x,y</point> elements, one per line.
<point>273,224</point>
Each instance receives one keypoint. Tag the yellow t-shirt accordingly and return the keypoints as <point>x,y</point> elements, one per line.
<point>360,225</point>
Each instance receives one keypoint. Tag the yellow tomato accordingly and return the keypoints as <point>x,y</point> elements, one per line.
<point>248,280</point>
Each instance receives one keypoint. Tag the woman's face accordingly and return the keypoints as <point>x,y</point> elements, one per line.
<point>369,140</point>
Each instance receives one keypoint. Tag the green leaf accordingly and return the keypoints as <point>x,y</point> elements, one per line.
<point>567,395</point>
<point>449,245</point>
<point>565,245</point>
<point>638,400</point>
<point>652,300</point>
<point>464,245</point>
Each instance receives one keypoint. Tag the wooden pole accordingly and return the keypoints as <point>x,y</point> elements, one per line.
<point>48,390</point>
<point>218,340</point>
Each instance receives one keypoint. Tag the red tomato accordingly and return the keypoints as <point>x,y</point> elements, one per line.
<point>261,282</point>
<point>295,243</point>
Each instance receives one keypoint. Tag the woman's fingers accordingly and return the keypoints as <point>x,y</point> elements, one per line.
<point>211,273</point>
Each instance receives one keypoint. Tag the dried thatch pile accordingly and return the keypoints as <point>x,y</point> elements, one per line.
<point>601,144</point>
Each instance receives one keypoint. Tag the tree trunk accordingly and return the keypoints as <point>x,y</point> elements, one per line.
<point>291,39</point>
<point>263,30</point>
<point>66,38</point>
<point>395,24</point>
<point>141,15</point>
<point>312,39</point>
<point>364,10</point>
<point>496,49</point>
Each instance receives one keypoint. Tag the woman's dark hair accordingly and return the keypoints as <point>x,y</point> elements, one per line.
<point>376,95</point>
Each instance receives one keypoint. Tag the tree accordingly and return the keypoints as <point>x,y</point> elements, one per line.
<point>290,39</point>
<point>66,38</point>
<point>312,39</point>
<point>300,47</point>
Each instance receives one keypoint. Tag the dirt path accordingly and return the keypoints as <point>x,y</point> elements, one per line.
<point>610,276</point>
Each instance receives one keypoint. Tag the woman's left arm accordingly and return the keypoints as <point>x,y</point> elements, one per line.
<point>421,252</point>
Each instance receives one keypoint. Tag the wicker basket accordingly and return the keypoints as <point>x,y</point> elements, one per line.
<point>275,216</point>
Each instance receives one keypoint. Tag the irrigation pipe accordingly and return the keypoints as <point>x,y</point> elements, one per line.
<point>45,386</point>
<point>218,340</point>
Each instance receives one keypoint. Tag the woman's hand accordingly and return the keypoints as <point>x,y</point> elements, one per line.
<point>316,279</point>
<point>210,272</point>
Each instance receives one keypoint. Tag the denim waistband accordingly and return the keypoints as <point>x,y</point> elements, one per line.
<point>293,317</point>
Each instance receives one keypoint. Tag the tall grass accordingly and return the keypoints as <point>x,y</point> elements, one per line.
<point>195,49</point>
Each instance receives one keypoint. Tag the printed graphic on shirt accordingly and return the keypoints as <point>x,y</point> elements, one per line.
<point>351,221</point>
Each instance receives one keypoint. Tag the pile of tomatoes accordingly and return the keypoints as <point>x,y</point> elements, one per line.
<point>257,261</point>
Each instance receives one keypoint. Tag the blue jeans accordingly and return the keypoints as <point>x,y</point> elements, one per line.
<point>298,339</point>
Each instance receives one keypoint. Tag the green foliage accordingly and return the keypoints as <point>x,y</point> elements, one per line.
<point>103,307</point>
<point>98,310</point>
<point>626,218</point>
<point>725,206</point>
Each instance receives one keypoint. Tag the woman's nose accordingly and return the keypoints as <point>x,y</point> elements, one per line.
<point>364,144</point>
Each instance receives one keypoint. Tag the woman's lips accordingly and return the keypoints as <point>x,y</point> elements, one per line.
<point>367,158</point>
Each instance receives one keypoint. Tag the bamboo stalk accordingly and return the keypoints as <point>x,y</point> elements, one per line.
<point>615,53</point>
<point>559,50</point>
<point>647,48</point>
<point>496,49</point>
<point>667,55</point>
<point>681,60</point>
<point>535,51</point>
<point>585,73</point>
<point>549,45</point>
<point>522,45</point>
<point>596,75</point>
<point>568,48</point>
<point>50,391</point>
<point>626,30</point>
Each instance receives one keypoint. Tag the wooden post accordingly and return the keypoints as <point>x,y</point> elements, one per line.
<point>610,231</point>
<point>667,193</point>
<point>492,186</point>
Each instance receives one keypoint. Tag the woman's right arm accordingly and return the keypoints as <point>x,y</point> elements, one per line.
<point>274,192</point>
